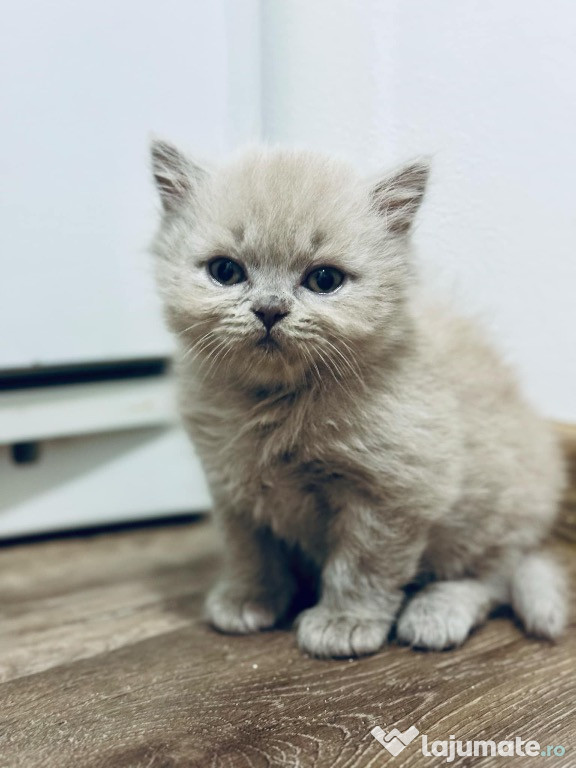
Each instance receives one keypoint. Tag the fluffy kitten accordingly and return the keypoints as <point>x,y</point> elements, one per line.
<point>354,440</point>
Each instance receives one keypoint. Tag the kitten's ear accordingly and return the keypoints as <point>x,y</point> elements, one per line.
<point>177,178</point>
<point>398,196</point>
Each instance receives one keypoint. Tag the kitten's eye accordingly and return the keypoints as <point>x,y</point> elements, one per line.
<point>324,280</point>
<point>226,271</point>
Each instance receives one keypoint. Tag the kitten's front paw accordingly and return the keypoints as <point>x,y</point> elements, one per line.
<point>430,622</point>
<point>236,612</point>
<point>329,634</point>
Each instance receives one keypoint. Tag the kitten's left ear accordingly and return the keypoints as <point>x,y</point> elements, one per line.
<point>398,196</point>
<point>177,177</point>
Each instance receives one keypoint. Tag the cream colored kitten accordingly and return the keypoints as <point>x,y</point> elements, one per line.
<point>354,441</point>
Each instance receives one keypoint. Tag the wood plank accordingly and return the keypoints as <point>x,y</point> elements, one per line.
<point>108,664</point>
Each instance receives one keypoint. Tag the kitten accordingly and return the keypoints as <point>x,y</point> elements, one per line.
<point>348,432</point>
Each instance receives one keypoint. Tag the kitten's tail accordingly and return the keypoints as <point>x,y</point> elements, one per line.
<point>539,595</point>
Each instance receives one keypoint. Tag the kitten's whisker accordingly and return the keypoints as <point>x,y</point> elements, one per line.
<point>204,344</point>
<point>335,371</point>
<point>351,367</point>
<point>350,351</point>
<point>214,356</point>
<point>224,356</point>
<point>309,359</point>
<point>186,330</point>
<point>197,346</point>
<point>206,350</point>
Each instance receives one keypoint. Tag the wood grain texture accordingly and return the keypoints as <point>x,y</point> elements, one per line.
<point>105,662</point>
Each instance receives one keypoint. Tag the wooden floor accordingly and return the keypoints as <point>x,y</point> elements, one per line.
<point>105,662</point>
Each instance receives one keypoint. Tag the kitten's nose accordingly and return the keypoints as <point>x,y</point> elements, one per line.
<point>270,312</point>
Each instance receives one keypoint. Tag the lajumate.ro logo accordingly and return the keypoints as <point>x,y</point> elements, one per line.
<point>395,741</point>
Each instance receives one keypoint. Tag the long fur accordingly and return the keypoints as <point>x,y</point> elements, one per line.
<point>379,441</point>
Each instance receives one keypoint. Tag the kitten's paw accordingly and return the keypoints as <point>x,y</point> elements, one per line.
<point>328,634</point>
<point>540,596</point>
<point>231,611</point>
<point>431,622</point>
<point>545,619</point>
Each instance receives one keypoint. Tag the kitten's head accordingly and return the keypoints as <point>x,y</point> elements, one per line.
<point>283,265</point>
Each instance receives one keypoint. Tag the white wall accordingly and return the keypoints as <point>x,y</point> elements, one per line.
<point>83,87</point>
<point>488,89</point>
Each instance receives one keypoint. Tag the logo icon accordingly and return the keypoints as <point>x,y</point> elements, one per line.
<point>395,741</point>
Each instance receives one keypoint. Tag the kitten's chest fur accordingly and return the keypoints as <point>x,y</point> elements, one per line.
<point>280,460</point>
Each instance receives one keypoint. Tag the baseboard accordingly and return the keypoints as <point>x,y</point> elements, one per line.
<point>566,526</point>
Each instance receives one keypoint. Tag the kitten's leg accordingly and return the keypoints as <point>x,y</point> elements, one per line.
<point>539,595</point>
<point>361,593</point>
<point>443,614</point>
<point>256,587</point>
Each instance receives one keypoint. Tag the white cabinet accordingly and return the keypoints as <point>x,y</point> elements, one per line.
<point>92,454</point>
<point>101,478</point>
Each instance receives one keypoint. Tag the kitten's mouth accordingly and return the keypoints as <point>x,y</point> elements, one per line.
<point>267,343</point>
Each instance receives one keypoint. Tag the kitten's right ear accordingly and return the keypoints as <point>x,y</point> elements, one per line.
<point>177,178</point>
<point>399,195</point>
